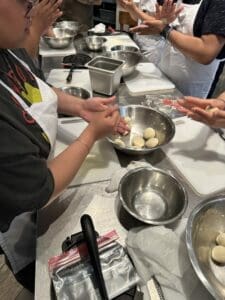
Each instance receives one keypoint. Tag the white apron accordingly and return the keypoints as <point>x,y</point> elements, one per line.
<point>19,242</point>
<point>190,77</point>
<point>151,45</point>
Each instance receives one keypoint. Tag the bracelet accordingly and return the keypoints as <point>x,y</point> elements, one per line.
<point>83,143</point>
<point>166,31</point>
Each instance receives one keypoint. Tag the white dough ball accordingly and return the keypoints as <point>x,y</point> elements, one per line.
<point>218,254</point>
<point>119,142</point>
<point>138,141</point>
<point>149,133</point>
<point>151,143</point>
<point>127,119</point>
<point>220,240</point>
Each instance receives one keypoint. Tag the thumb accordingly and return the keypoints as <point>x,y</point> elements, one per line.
<point>107,101</point>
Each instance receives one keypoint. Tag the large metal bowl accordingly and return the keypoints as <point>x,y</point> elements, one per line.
<point>76,91</point>
<point>205,222</point>
<point>131,59</point>
<point>69,26</point>
<point>141,118</point>
<point>95,43</point>
<point>62,38</point>
<point>152,196</point>
<point>124,48</point>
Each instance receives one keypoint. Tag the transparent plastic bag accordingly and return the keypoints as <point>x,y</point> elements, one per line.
<point>73,278</point>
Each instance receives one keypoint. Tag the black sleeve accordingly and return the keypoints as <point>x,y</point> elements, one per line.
<point>210,18</point>
<point>26,183</point>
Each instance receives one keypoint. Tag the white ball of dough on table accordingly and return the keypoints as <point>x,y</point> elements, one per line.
<point>220,239</point>
<point>149,133</point>
<point>151,143</point>
<point>138,141</point>
<point>218,254</point>
<point>119,142</point>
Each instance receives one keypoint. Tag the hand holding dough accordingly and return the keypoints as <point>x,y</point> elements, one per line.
<point>149,133</point>
<point>138,141</point>
<point>218,254</point>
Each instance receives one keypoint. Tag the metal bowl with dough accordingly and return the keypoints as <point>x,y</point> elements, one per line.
<point>205,222</point>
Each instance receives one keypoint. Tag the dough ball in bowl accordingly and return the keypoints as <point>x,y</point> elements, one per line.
<point>218,254</point>
<point>138,141</point>
<point>151,143</point>
<point>149,133</point>
<point>220,239</point>
<point>120,143</point>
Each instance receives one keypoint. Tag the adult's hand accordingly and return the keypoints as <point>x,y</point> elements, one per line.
<point>44,14</point>
<point>208,111</point>
<point>128,5</point>
<point>104,123</point>
<point>150,26</point>
<point>96,104</point>
<point>168,12</point>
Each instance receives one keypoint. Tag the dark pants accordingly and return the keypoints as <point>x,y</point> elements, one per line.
<point>26,277</point>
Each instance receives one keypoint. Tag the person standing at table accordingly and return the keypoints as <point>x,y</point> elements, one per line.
<point>30,177</point>
<point>195,40</point>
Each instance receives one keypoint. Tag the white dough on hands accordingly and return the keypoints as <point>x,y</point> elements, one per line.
<point>138,141</point>
<point>151,143</point>
<point>149,133</point>
<point>218,254</point>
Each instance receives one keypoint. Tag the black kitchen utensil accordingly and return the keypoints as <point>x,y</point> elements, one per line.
<point>90,239</point>
<point>76,60</point>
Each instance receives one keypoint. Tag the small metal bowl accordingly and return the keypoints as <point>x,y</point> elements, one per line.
<point>205,222</point>
<point>76,91</point>
<point>124,48</point>
<point>143,117</point>
<point>131,59</point>
<point>152,196</point>
<point>69,26</point>
<point>61,40</point>
<point>95,43</point>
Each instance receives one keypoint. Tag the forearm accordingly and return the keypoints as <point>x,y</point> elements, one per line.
<point>203,50</point>
<point>66,165</point>
<point>68,104</point>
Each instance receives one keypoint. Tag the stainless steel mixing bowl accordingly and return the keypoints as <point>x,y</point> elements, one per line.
<point>152,196</point>
<point>131,59</point>
<point>61,40</point>
<point>95,43</point>
<point>124,48</point>
<point>76,91</point>
<point>205,222</point>
<point>69,26</point>
<point>143,117</point>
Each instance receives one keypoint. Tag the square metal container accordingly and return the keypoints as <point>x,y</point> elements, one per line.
<point>105,74</point>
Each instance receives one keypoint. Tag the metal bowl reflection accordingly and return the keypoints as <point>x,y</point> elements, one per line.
<point>143,117</point>
<point>124,48</point>
<point>76,91</point>
<point>70,26</point>
<point>61,39</point>
<point>152,196</point>
<point>95,43</point>
<point>205,222</point>
<point>130,58</point>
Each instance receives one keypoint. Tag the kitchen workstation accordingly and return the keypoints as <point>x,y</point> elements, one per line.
<point>149,204</point>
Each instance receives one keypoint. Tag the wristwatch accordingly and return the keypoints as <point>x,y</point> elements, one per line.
<point>166,31</point>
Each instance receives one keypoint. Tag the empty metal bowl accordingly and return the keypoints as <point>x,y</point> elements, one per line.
<point>95,43</point>
<point>69,26</point>
<point>205,222</point>
<point>124,48</point>
<point>152,196</point>
<point>76,91</point>
<point>61,40</point>
<point>131,59</point>
<point>143,117</point>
